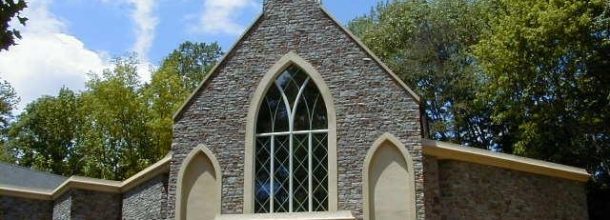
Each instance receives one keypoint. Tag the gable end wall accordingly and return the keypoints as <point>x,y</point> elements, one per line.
<point>367,100</point>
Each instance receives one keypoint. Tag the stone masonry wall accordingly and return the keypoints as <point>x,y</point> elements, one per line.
<point>146,201</point>
<point>367,100</point>
<point>12,208</point>
<point>92,205</point>
<point>62,207</point>
<point>432,193</point>
<point>472,191</point>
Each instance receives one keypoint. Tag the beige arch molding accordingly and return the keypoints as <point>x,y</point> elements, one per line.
<point>390,139</point>
<point>200,149</point>
<point>255,102</point>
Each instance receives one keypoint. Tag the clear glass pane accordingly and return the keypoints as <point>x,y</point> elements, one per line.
<point>300,177</point>
<point>320,172</point>
<point>272,115</point>
<point>281,174</point>
<point>290,81</point>
<point>318,113</point>
<point>262,178</point>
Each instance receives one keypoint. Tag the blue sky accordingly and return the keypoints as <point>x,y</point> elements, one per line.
<point>65,39</point>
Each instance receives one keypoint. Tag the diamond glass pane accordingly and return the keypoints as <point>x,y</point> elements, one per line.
<point>300,176</point>
<point>320,172</point>
<point>281,174</point>
<point>262,179</point>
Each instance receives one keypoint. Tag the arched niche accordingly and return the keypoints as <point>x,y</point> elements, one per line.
<point>199,186</point>
<point>389,192</point>
<point>267,81</point>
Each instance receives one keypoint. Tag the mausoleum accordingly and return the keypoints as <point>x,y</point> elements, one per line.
<point>301,121</point>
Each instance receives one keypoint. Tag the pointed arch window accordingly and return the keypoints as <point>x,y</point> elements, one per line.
<point>291,156</point>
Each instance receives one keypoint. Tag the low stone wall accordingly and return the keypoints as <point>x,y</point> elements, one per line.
<point>62,207</point>
<point>12,208</point>
<point>472,191</point>
<point>147,201</point>
<point>90,205</point>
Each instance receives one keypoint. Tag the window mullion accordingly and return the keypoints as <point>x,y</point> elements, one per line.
<point>271,177</point>
<point>309,173</point>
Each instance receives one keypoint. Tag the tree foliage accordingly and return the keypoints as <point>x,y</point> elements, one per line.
<point>114,128</point>
<point>10,9</point>
<point>548,64</point>
<point>8,100</point>
<point>427,43</point>
<point>191,61</point>
<point>45,134</point>
<point>519,76</point>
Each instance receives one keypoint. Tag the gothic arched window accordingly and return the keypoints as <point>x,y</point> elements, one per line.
<point>291,156</point>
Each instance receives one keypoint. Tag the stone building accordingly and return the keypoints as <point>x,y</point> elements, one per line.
<point>301,121</point>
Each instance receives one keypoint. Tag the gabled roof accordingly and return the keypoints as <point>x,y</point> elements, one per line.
<point>13,175</point>
<point>214,70</point>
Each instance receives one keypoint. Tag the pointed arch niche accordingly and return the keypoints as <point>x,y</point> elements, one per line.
<point>388,186</point>
<point>294,65</point>
<point>199,186</point>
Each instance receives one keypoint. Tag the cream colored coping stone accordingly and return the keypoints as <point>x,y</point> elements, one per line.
<point>338,215</point>
<point>85,183</point>
<point>448,151</point>
<point>214,69</point>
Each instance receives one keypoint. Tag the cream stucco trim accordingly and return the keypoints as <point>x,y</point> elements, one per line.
<point>210,156</point>
<point>339,215</point>
<point>85,183</point>
<point>256,100</point>
<point>387,137</point>
<point>26,193</point>
<point>212,71</point>
<point>375,58</point>
<point>448,151</point>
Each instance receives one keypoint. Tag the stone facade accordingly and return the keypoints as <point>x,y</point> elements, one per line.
<point>13,208</point>
<point>368,103</point>
<point>146,201</point>
<point>472,191</point>
<point>89,205</point>
<point>62,207</point>
<point>367,100</point>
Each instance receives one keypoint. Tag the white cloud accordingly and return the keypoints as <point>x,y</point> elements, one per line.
<point>146,23</point>
<point>47,58</point>
<point>219,16</point>
<point>145,26</point>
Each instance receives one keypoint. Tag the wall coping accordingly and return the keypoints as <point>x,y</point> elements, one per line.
<point>448,151</point>
<point>337,215</point>
<point>86,183</point>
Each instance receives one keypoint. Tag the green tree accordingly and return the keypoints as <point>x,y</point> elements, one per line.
<point>192,61</point>
<point>8,101</point>
<point>548,66</point>
<point>44,135</point>
<point>427,43</point>
<point>115,142</point>
<point>180,73</point>
<point>163,97</point>
<point>8,10</point>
